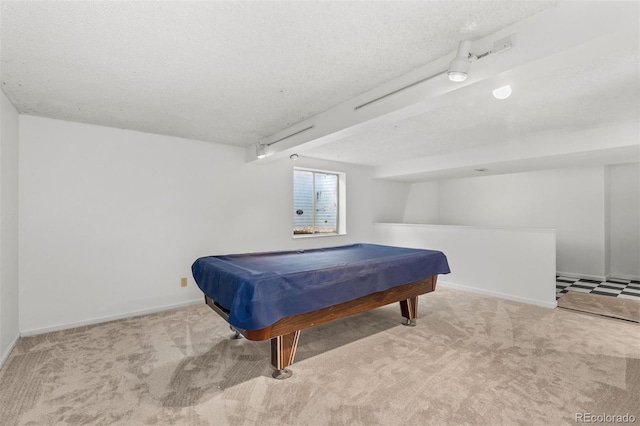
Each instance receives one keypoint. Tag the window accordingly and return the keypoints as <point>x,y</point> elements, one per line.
<point>316,202</point>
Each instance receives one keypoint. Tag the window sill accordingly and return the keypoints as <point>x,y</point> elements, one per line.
<point>297,236</point>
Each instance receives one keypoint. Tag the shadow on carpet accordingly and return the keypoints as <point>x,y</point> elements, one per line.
<point>607,306</point>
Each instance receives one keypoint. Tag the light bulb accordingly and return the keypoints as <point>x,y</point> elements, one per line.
<point>502,92</point>
<point>457,76</point>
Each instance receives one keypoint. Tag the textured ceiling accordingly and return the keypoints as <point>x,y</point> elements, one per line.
<point>226,72</point>
<point>238,72</point>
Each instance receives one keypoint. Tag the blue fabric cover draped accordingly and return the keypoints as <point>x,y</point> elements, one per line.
<point>260,288</point>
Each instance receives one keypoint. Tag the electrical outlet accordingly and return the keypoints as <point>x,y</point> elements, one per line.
<point>183,282</point>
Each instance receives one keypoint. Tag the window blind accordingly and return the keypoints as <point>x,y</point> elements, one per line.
<point>315,202</point>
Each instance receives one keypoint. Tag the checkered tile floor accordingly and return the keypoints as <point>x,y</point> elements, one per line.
<point>613,287</point>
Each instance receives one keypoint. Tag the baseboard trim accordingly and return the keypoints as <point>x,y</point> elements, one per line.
<point>599,277</point>
<point>581,276</point>
<point>624,277</point>
<point>100,320</point>
<point>6,354</point>
<point>499,295</point>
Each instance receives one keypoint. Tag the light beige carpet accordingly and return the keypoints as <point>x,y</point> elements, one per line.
<point>596,304</point>
<point>470,360</point>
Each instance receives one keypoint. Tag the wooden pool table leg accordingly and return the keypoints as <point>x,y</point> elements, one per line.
<point>283,351</point>
<point>409,309</point>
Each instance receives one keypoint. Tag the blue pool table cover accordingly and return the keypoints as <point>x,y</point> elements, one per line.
<point>261,288</point>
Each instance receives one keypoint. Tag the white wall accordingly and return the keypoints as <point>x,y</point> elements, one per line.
<point>569,200</point>
<point>624,220</point>
<point>422,203</point>
<point>389,199</point>
<point>594,209</point>
<point>515,264</point>
<point>111,219</point>
<point>9,330</point>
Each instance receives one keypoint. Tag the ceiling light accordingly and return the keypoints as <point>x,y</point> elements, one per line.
<point>261,147</point>
<point>260,150</point>
<point>459,67</point>
<point>502,92</point>
<point>293,157</point>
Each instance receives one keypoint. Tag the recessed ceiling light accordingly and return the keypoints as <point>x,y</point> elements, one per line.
<point>502,92</point>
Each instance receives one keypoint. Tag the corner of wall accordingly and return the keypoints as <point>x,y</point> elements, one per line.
<point>607,221</point>
<point>9,290</point>
<point>4,356</point>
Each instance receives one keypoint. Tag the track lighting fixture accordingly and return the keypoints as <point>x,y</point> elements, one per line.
<point>459,68</point>
<point>261,147</point>
<point>260,150</point>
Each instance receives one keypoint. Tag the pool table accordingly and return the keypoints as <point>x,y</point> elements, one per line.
<point>275,295</point>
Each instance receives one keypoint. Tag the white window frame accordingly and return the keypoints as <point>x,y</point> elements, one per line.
<point>342,204</point>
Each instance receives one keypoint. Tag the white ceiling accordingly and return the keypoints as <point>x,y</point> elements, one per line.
<point>240,72</point>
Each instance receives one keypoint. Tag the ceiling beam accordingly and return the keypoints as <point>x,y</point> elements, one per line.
<point>594,146</point>
<point>541,36</point>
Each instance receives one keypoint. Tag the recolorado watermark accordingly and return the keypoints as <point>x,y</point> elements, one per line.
<point>605,418</point>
